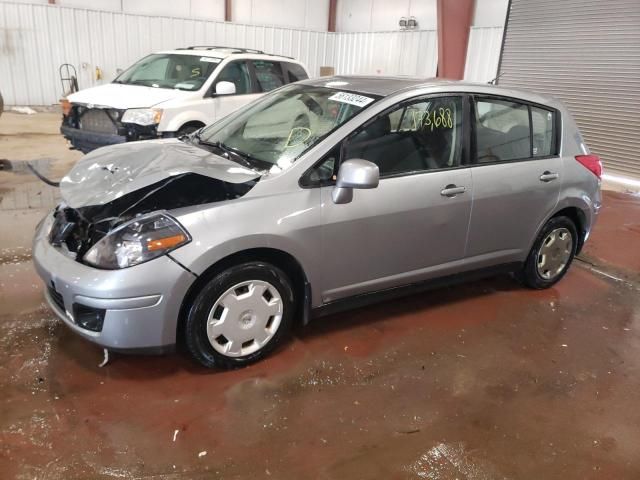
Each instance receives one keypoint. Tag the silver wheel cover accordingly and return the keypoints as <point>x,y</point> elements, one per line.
<point>244,318</point>
<point>554,253</point>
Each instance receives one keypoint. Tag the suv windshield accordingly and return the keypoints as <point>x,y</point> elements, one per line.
<point>274,131</point>
<point>169,70</point>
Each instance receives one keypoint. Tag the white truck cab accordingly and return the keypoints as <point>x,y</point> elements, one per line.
<point>173,93</point>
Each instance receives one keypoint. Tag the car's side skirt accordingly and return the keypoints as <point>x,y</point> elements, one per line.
<point>378,296</point>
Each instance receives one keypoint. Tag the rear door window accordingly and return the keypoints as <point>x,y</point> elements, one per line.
<point>543,124</point>
<point>502,131</point>
<point>269,74</point>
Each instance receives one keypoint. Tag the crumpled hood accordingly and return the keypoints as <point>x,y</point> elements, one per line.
<point>110,172</point>
<point>119,96</point>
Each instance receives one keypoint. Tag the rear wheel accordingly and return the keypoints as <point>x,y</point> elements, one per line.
<point>240,315</point>
<point>551,254</point>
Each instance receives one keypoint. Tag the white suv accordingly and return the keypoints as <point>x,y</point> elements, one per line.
<point>173,93</point>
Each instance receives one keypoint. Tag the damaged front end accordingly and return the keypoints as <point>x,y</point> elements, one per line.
<point>116,208</point>
<point>136,227</point>
<point>91,127</point>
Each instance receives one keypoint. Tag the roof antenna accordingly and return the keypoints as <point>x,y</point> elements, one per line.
<point>493,82</point>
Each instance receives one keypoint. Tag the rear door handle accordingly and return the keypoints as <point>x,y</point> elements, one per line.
<point>548,176</point>
<point>452,190</point>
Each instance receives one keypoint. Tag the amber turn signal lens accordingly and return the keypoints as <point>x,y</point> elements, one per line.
<point>66,106</point>
<point>165,243</point>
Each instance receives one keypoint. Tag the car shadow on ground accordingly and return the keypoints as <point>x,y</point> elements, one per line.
<point>409,304</point>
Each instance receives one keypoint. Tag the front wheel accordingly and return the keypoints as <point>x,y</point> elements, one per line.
<point>551,255</point>
<point>187,130</point>
<point>240,315</point>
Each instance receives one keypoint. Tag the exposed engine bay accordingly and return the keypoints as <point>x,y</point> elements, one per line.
<point>78,229</point>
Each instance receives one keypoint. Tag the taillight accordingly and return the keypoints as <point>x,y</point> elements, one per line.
<point>591,163</point>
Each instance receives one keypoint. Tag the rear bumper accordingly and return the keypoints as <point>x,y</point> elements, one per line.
<point>87,141</point>
<point>141,304</point>
<point>596,206</point>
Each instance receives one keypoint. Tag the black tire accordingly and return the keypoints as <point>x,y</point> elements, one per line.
<point>195,333</point>
<point>187,129</point>
<point>529,275</point>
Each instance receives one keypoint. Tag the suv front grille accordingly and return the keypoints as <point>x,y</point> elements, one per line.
<point>97,120</point>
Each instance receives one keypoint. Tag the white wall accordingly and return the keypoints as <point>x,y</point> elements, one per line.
<point>35,39</point>
<point>383,15</point>
<point>352,15</point>
<point>205,9</point>
<point>490,13</point>
<point>483,54</point>
<point>303,14</point>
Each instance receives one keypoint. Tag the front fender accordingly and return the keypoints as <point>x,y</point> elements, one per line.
<point>172,122</point>
<point>198,260</point>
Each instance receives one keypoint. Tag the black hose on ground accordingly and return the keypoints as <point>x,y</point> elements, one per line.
<point>42,177</point>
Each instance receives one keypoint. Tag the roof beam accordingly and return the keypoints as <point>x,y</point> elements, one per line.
<point>227,10</point>
<point>454,21</point>
<point>333,8</point>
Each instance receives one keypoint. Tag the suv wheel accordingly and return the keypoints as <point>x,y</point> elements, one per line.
<point>551,255</point>
<point>186,130</point>
<point>240,315</point>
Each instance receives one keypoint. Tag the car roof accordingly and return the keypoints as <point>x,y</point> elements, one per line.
<point>386,86</point>
<point>224,52</point>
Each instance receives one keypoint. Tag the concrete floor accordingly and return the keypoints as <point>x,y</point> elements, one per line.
<point>479,382</point>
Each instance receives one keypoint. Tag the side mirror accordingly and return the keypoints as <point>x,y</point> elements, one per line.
<point>354,173</point>
<point>225,88</point>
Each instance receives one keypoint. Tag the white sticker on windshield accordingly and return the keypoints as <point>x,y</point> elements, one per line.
<point>351,98</point>
<point>186,86</point>
<point>210,59</point>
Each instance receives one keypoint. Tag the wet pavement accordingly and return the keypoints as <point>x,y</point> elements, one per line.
<point>481,381</point>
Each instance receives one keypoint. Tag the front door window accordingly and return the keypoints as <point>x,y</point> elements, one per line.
<point>414,137</point>
<point>238,74</point>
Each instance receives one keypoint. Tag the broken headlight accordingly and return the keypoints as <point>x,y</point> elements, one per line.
<point>142,116</point>
<point>137,241</point>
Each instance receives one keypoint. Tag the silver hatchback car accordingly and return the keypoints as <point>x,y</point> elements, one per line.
<point>322,195</point>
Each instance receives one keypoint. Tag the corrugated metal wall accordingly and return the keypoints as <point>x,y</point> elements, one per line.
<point>36,39</point>
<point>586,53</point>
<point>483,54</point>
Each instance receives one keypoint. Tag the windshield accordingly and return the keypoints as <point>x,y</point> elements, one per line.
<point>274,131</point>
<point>169,70</point>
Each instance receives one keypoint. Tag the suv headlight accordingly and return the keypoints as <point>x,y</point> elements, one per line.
<point>137,241</point>
<point>142,116</point>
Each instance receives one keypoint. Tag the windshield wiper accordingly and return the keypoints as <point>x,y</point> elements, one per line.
<point>243,158</point>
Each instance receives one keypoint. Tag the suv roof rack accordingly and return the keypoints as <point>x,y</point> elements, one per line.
<point>216,47</point>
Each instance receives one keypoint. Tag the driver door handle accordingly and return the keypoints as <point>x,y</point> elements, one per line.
<point>548,176</point>
<point>452,190</point>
